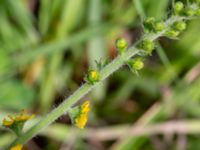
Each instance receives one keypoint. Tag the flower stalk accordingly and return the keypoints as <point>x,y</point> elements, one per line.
<point>104,73</point>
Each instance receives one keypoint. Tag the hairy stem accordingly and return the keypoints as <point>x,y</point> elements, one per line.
<point>63,108</point>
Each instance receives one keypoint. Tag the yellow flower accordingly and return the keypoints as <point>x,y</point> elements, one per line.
<point>7,123</point>
<point>17,147</point>
<point>85,107</point>
<point>94,75</point>
<point>23,116</point>
<point>11,119</point>
<point>81,119</point>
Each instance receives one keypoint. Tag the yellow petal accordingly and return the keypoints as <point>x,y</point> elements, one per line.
<point>17,147</point>
<point>23,116</point>
<point>81,121</point>
<point>15,118</point>
<point>94,75</point>
<point>85,107</point>
<point>7,122</point>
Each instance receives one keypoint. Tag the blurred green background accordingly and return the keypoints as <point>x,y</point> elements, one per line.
<point>47,46</point>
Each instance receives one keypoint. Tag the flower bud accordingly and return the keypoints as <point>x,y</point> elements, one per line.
<point>159,26</point>
<point>147,45</point>
<point>121,45</point>
<point>180,26</point>
<point>189,11</point>
<point>92,77</point>
<point>178,7</point>
<point>136,64</point>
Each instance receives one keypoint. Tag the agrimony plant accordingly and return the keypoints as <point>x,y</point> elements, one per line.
<point>132,56</point>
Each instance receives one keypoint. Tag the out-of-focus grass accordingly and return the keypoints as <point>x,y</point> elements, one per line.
<point>47,46</point>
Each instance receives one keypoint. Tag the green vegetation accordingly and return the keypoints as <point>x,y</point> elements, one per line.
<point>49,48</point>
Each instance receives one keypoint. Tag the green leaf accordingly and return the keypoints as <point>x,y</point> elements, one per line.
<point>15,95</point>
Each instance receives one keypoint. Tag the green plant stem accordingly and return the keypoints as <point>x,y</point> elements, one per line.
<point>118,62</point>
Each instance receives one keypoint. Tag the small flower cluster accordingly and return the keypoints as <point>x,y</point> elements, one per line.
<point>146,45</point>
<point>16,122</point>
<point>189,10</point>
<point>12,119</point>
<point>79,115</point>
<point>82,118</point>
<point>152,26</point>
<point>192,9</point>
<point>134,64</point>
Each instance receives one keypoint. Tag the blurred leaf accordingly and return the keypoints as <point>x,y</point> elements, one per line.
<point>190,40</point>
<point>23,18</point>
<point>15,95</point>
<point>139,7</point>
<point>157,8</point>
<point>4,60</point>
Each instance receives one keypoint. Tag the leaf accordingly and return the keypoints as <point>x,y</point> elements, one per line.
<point>15,95</point>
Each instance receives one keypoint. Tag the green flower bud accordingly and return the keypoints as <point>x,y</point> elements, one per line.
<point>121,45</point>
<point>178,7</point>
<point>172,33</point>
<point>92,77</point>
<point>136,64</point>
<point>180,26</point>
<point>147,45</point>
<point>189,11</point>
<point>159,26</point>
